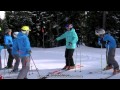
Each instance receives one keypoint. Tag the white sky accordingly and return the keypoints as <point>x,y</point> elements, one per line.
<point>2,14</point>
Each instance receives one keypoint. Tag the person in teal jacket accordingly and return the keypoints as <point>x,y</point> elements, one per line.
<point>71,40</point>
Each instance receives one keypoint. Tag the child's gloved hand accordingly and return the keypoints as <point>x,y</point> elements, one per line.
<point>69,43</point>
<point>29,51</point>
<point>10,45</point>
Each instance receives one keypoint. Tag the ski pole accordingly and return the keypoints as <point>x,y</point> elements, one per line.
<point>5,59</point>
<point>29,70</point>
<point>35,66</point>
<point>107,54</point>
<point>80,54</point>
<point>80,58</point>
<point>107,51</point>
<point>0,61</point>
<point>0,58</point>
<point>4,62</point>
<point>101,58</point>
<point>76,60</point>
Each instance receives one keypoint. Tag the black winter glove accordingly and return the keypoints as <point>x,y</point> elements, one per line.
<point>102,42</point>
<point>5,46</point>
<point>29,51</point>
<point>10,45</point>
<point>69,43</point>
<point>107,42</point>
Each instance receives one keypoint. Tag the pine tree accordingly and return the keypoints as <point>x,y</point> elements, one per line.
<point>47,25</point>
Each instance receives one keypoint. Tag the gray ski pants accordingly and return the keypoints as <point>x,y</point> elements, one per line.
<point>17,58</point>
<point>110,55</point>
<point>25,67</point>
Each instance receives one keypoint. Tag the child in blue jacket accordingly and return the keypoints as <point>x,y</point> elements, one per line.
<point>110,44</point>
<point>8,44</point>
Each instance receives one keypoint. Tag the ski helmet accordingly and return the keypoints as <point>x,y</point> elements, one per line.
<point>15,34</point>
<point>99,32</point>
<point>25,28</point>
<point>8,30</point>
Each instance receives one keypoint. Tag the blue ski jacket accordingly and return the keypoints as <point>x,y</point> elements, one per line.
<point>15,47</point>
<point>8,41</point>
<point>110,41</point>
<point>22,44</point>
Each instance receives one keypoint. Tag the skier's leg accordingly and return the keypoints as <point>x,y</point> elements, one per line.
<point>71,51</point>
<point>25,67</point>
<point>107,60</point>
<point>70,56</point>
<point>109,65</point>
<point>10,58</point>
<point>111,58</point>
<point>0,61</point>
<point>66,58</point>
<point>17,58</point>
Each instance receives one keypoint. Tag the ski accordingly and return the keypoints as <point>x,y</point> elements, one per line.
<point>98,71</point>
<point>52,73</point>
<point>10,77</point>
<point>109,76</point>
<point>44,77</point>
<point>66,76</point>
<point>58,73</point>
